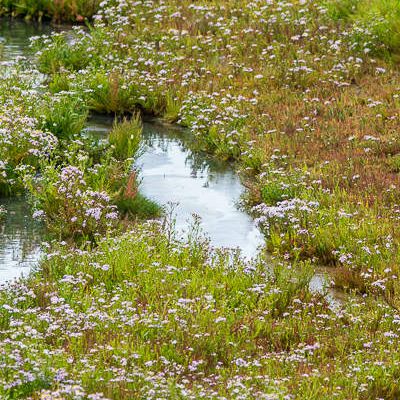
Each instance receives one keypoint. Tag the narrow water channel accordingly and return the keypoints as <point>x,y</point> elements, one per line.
<point>15,37</point>
<point>20,239</point>
<point>171,174</point>
<point>191,183</point>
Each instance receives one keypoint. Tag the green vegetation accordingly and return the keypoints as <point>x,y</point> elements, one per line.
<point>56,10</point>
<point>138,206</point>
<point>380,17</point>
<point>82,188</point>
<point>307,125</point>
<point>145,315</point>
<point>64,115</point>
<point>3,212</point>
<point>125,137</point>
<point>75,183</point>
<point>303,96</point>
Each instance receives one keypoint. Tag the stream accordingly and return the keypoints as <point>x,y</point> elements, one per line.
<point>187,183</point>
<point>190,183</point>
<point>14,37</point>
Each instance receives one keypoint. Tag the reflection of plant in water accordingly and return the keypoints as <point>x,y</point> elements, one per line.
<point>15,36</point>
<point>199,162</point>
<point>3,212</point>
<point>20,235</point>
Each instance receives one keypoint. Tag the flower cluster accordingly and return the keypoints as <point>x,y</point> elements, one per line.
<point>70,207</point>
<point>22,145</point>
<point>294,213</point>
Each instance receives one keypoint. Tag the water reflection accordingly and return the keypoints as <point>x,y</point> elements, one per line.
<point>200,185</point>
<point>20,238</point>
<point>15,37</point>
<point>98,126</point>
<point>172,173</point>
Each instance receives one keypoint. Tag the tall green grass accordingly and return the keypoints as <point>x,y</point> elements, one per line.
<point>380,17</point>
<point>125,137</point>
<point>146,315</point>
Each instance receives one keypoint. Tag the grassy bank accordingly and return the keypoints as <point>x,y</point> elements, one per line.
<point>146,315</point>
<point>80,186</point>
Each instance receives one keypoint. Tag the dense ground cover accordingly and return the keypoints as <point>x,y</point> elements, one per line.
<point>78,185</point>
<point>148,316</point>
<point>303,97</point>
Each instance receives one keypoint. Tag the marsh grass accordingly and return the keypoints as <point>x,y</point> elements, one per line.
<point>172,109</point>
<point>61,55</point>
<point>380,17</point>
<point>301,121</point>
<point>138,206</point>
<point>125,141</point>
<point>88,186</point>
<point>109,95</point>
<point>304,97</point>
<point>125,137</point>
<point>65,115</point>
<point>3,213</point>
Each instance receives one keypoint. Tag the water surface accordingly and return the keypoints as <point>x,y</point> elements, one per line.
<point>193,184</point>
<point>15,37</point>
<point>20,238</point>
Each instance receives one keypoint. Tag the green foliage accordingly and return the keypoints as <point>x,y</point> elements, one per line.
<point>3,213</point>
<point>342,9</point>
<point>60,55</point>
<point>125,137</point>
<point>172,109</point>
<point>64,115</point>
<point>394,163</point>
<point>139,206</point>
<point>279,184</point>
<point>154,273</point>
<point>80,189</point>
<point>146,301</point>
<point>59,83</point>
<point>378,18</point>
<point>107,94</point>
